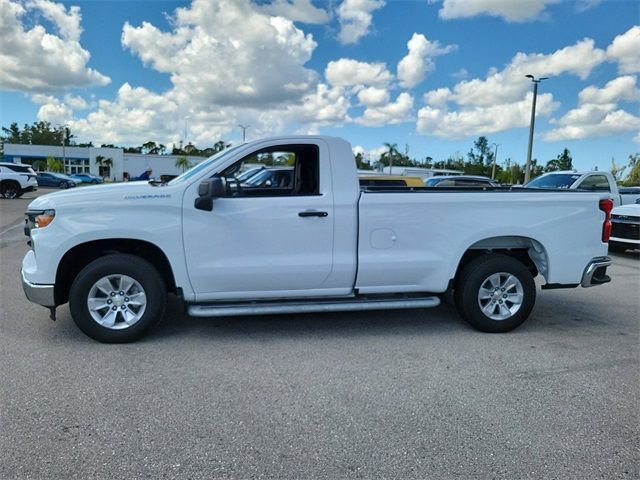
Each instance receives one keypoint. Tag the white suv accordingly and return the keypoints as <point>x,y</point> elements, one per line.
<point>16,179</point>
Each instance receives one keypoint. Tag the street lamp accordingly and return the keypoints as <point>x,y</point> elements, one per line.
<point>527,170</point>
<point>495,158</point>
<point>244,131</point>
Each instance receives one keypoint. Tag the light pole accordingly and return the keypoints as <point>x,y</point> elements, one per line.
<point>527,170</point>
<point>186,130</point>
<point>495,158</point>
<point>244,131</point>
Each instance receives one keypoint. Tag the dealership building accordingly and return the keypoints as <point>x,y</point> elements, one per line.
<point>93,159</point>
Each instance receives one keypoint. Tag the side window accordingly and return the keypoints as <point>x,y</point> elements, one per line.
<point>596,182</point>
<point>282,170</point>
<point>446,183</point>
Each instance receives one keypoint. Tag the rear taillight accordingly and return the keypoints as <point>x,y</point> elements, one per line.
<point>606,206</point>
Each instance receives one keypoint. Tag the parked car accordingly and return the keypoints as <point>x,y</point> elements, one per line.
<point>247,174</point>
<point>87,178</point>
<point>271,177</point>
<point>590,181</point>
<point>390,181</point>
<point>461,181</point>
<point>323,245</point>
<point>16,179</point>
<point>53,179</point>
<point>625,227</point>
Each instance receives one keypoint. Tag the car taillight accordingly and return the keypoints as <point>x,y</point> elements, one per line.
<point>606,206</point>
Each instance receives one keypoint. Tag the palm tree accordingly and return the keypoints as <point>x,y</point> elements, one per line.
<point>392,151</point>
<point>183,163</point>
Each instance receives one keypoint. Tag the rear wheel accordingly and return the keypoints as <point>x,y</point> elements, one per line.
<point>495,293</point>
<point>10,189</point>
<point>117,298</point>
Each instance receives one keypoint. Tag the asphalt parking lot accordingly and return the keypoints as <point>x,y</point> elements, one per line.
<point>404,394</point>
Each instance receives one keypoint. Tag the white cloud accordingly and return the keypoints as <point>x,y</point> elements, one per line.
<point>509,10</point>
<point>347,72</point>
<point>598,113</point>
<point>604,124</point>
<point>510,84</point>
<point>370,155</point>
<point>499,101</point>
<point>390,113</point>
<point>296,10</point>
<point>355,18</point>
<point>625,49</point>
<point>74,102</point>
<point>621,88</point>
<point>373,96</point>
<point>481,120</point>
<point>35,60</point>
<point>52,109</point>
<point>228,53</point>
<point>438,97</point>
<point>415,66</point>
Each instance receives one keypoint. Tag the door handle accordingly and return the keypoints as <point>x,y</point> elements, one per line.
<point>312,213</point>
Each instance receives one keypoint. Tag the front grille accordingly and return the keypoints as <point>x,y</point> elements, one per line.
<point>630,231</point>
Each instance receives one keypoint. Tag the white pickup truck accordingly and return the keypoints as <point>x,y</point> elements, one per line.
<point>321,244</point>
<point>593,181</point>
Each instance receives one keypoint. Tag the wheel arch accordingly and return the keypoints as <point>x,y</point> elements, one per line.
<point>529,251</point>
<point>75,259</point>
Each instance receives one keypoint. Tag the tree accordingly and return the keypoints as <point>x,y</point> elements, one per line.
<point>104,165</point>
<point>390,155</point>
<point>633,177</point>
<point>617,170</point>
<point>54,164</point>
<point>561,162</point>
<point>183,163</point>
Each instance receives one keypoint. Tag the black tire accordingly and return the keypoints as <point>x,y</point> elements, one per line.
<point>472,278</point>
<point>10,189</point>
<point>95,182</point>
<point>63,185</point>
<point>618,247</point>
<point>138,269</point>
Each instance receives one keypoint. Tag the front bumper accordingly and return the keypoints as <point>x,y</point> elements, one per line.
<point>40,294</point>
<point>595,272</point>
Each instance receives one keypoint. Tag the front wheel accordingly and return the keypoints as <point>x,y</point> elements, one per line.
<point>117,298</point>
<point>63,185</point>
<point>495,293</point>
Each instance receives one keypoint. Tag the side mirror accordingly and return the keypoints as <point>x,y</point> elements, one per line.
<point>207,191</point>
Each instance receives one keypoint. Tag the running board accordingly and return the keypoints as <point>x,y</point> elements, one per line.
<point>274,308</point>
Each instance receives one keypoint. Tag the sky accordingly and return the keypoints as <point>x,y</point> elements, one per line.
<point>429,75</point>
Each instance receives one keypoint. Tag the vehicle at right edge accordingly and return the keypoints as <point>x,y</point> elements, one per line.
<point>625,228</point>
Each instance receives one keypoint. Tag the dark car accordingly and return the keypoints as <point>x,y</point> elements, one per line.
<point>278,177</point>
<point>52,179</point>
<point>461,181</point>
<point>87,178</point>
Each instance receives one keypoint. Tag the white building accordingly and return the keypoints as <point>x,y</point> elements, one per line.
<point>83,160</point>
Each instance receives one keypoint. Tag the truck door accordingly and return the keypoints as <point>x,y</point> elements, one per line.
<point>264,239</point>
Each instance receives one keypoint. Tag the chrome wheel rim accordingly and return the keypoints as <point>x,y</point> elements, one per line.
<point>500,296</point>
<point>116,301</point>
<point>10,191</point>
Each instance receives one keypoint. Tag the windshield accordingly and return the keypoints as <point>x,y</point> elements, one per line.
<point>203,165</point>
<point>560,180</point>
<point>432,182</point>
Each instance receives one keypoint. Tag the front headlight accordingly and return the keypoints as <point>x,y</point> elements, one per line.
<point>38,219</point>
